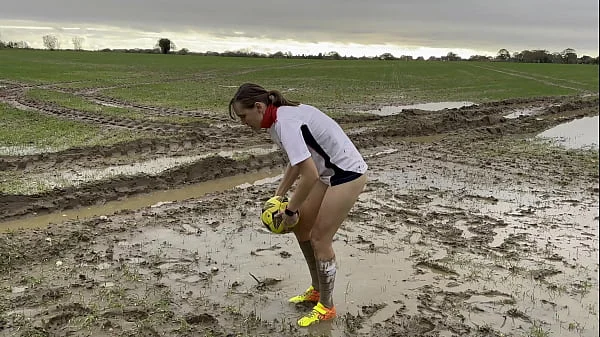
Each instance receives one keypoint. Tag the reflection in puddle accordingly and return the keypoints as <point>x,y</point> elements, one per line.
<point>435,106</point>
<point>576,134</point>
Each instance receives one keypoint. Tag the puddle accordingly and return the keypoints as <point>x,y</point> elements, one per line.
<point>143,200</point>
<point>576,134</point>
<point>420,242</point>
<point>382,264</point>
<point>227,255</point>
<point>435,106</point>
<point>524,112</point>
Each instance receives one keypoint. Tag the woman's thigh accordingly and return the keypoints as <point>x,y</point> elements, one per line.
<point>336,205</point>
<point>309,210</point>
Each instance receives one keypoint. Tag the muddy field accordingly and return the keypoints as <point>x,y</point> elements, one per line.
<point>468,226</point>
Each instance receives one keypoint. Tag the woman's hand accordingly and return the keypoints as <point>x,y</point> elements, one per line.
<point>290,219</point>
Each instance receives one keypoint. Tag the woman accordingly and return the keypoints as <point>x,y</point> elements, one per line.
<point>332,175</point>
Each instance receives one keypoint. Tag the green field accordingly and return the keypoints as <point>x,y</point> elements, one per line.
<point>75,102</point>
<point>207,83</point>
<point>26,132</point>
<point>199,82</point>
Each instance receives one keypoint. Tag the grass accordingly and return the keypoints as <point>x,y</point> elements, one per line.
<point>75,102</point>
<point>32,132</point>
<point>207,83</point>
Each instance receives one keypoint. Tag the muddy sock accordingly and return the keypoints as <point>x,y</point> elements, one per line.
<point>309,255</point>
<point>327,270</point>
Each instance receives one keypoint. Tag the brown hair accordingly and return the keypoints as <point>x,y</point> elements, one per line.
<point>250,93</point>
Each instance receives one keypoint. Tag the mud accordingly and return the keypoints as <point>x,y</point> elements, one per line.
<point>468,226</point>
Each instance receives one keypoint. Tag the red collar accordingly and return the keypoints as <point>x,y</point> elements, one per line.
<point>269,117</point>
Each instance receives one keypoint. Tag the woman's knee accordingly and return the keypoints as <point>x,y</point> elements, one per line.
<point>320,237</point>
<point>302,231</point>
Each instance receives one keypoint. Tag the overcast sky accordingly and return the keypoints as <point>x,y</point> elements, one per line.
<point>358,27</point>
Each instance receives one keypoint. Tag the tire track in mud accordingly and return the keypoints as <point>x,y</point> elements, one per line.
<point>148,110</point>
<point>98,119</point>
<point>202,141</point>
<point>529,77</point>
<point>176,138</point>
<point>155,111</point>
<point>15,97</point>
<point>381,132</point>
<point>206,169</point>
<point>364,128</point>
<point>487,119</point>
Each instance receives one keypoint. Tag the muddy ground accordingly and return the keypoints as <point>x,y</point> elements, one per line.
<point>467,227</point>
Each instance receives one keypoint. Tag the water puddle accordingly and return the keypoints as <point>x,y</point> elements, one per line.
<point>577,134</point>
<point>143,200</point>
<point>516,113</point>
<point>228,256</point>
<point>435,106</point>
<point>419,242</point>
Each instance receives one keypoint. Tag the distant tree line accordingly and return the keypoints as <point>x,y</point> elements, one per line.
<point>166,46</point>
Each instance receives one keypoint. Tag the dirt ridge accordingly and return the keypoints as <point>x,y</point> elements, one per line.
<point>101,191</point>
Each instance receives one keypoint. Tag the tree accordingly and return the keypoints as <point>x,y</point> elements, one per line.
<point>51,42</point>
<point>334,55</point>
<point>386,56</point>
<point>165,45</point>
<point>451,57</point>
<point>503,55</point>
<point>569,56</point>
<point>480,58</point>
<point>77,42</point>
<point>557,58</point>
<point>278,55</point>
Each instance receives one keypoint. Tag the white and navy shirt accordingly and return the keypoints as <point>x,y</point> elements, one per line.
<point>304,131</point>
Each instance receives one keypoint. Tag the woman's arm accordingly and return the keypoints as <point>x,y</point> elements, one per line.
<point>289,177</point>
<point>308,177</point>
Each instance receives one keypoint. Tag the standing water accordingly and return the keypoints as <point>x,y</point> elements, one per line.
<point>436,106</point>
<point>576,134</point>
<point>151,199</point>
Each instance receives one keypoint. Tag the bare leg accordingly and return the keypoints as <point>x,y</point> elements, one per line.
<point>334,209</point>
<point>308,214</point>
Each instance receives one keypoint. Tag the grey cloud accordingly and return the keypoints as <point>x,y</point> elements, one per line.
<point>461,23</point>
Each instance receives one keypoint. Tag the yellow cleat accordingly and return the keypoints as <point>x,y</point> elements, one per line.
<point>310,295</point>
<point>319,313</point>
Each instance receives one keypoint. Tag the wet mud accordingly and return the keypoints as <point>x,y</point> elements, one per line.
<point>467,227</point>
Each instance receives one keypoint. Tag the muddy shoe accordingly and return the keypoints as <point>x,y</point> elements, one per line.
<point>310,295</point>
<point>318,314</point>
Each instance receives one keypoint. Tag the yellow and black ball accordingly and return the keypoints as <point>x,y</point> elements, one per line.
<point>268,216</point>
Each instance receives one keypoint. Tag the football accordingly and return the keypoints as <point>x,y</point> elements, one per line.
<point>268,216</point>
